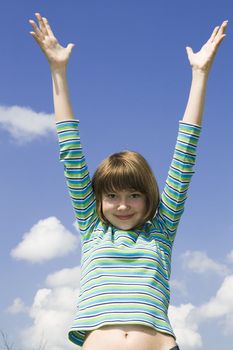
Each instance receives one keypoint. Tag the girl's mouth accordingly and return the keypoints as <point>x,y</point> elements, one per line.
<point>124,217</point>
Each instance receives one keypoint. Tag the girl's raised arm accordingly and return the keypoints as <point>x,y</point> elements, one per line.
<point>71,154</point>
<point>201,63</point>
<point>180,173</point>
<point>58,57</point>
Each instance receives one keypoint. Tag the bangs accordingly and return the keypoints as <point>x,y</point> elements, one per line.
<point>122,178</point>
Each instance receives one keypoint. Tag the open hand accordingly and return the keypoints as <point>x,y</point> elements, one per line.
<point>203,59</point>
<point>56,54</point>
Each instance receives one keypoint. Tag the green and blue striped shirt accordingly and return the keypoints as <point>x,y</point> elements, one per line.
<point>125,274</point>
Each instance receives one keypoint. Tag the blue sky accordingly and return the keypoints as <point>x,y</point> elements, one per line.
<point>129,81</point>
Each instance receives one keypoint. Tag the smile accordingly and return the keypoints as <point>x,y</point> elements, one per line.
<point>124,217</point>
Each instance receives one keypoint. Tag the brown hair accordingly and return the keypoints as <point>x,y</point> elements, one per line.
<point>126,170</point>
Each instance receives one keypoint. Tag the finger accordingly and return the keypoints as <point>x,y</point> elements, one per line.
<point>41,23</point>
<point>48,28</point>
<point>36,29</point>
<point>189,51</point>
<point>214,33</point>
<point>37,39</point>
<point>220,39</point>
<point>218,31</point>
<point>224,25</point>
<point>222,30</point>
<point>220,35</point>
<point>70,48</point>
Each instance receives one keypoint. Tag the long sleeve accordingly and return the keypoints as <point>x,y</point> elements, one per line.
<point>76,174</point>
<point>174,195</point>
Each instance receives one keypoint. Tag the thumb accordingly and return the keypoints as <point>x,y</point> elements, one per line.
<point>189,51</point>
<point>70,47</point>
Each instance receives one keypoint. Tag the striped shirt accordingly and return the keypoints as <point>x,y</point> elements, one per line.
<point>125,274</point>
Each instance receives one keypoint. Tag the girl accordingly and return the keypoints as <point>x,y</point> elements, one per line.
<point>127,231</point>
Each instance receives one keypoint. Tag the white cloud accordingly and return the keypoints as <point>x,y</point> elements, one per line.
<point>17,307</point>
<point>75,224</point>
<point>65,277</point>
<point>199,262</point>
<point>46,240</point>
<point>24,124</point>
<point>230,257</point>
<point>185,327</point>
<point>179,286</point>
<point>221,305</point>
<point>53,311</point>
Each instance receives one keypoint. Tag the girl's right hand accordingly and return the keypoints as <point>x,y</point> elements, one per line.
<point>57,55</point>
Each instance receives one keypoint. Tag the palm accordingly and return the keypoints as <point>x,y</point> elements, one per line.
<point>56,54</point>
<point>54,51</point>
<point>203,59</point>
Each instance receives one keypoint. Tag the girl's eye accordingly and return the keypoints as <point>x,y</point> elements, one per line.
<point>111,195</point>
<point>136,195</point>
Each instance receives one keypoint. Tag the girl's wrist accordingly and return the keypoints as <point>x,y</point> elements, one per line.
<point>55,69</point>
<point>200,74</point>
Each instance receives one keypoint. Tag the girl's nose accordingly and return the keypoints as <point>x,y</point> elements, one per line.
<point>123,205</point>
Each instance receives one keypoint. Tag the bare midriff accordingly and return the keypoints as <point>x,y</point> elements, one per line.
<point>127,337</point>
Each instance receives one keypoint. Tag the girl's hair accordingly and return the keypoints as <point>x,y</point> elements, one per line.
<point>123,171</point>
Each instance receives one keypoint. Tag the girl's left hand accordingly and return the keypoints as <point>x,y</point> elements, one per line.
<point>203,59</point>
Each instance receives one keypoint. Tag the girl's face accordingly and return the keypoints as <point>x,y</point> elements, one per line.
<point>124,209</point>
